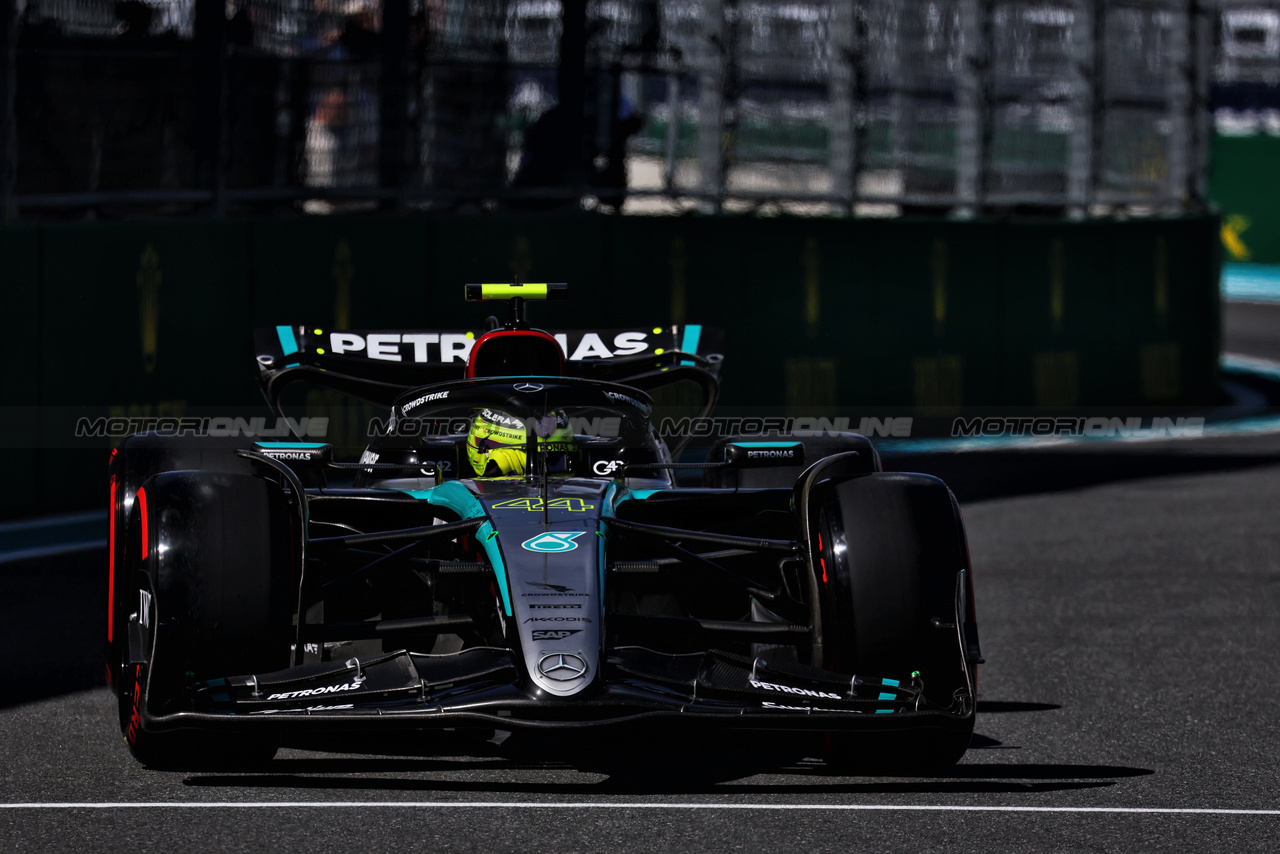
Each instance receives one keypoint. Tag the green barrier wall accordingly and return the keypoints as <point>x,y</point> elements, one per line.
<point>928,317</point>
<point>1244,183</point>
<point>20,354</point>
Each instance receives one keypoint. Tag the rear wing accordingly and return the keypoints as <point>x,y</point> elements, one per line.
<point>378,366</point>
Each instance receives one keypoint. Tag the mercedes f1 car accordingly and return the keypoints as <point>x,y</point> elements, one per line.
<point>518,549</point>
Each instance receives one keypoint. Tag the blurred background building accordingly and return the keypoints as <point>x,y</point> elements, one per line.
<point>1076,107</point>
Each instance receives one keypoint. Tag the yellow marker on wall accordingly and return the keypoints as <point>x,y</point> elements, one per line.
<point>343,272</point>
<point>1162,281</point>
<point>1232,227</point>
<point>1057,284</point>
<point>149,278</point>
<point>678,262</point>
<point>812,286</point>
<point>938,263</point>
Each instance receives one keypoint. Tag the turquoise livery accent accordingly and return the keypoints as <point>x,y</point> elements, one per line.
<point>452,495</point>
<point>689,344</point>
<point>638,494</point>
<point>288,343</point>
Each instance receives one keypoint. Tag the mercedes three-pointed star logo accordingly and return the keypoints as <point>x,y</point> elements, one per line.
<point>562,666</point>
<point>528,387</point>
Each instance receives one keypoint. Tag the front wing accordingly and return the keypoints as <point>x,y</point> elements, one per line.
<point>482,686</point>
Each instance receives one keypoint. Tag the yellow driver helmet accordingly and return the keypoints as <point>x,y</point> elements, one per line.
<point>497,444</point>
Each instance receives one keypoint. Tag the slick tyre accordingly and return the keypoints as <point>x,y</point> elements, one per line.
<point>138,458</point>
<point>892,547</point>
<point>212,583</point>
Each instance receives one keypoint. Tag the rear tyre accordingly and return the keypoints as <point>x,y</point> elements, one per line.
<point>213,594</point>
<point>892,547</point>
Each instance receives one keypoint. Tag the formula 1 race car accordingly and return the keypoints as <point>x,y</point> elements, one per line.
<point>518,549</point>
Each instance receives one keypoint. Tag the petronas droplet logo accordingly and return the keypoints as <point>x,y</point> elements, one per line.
<point>552,542</point>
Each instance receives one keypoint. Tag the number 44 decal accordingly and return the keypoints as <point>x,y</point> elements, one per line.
<point>573,505</point>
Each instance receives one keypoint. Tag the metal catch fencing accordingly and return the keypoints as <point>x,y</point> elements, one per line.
<point>866,106</point>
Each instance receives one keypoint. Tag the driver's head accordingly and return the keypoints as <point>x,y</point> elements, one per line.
<point>497,444</point>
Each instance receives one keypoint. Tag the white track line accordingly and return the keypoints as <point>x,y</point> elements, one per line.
<point>623,806</point>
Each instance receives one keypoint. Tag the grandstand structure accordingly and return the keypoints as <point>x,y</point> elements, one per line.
<point>874,107</point>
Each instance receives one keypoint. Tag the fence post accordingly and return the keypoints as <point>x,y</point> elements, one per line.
<point>1084,74</point>
<point>973,131</point>
<point>1201,116</point>
<point>572,84</point>
<point>211,100</point>
<point>843,149</point>
<point>8,108</point>
<point>712,56</point>
<point>393,107</point>
<point>1178,85</point>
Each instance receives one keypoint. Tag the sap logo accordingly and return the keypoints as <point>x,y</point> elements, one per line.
<point>554,634</point>
<point>389,346</point>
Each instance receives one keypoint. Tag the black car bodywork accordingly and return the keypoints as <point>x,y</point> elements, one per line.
<point>259,588</point>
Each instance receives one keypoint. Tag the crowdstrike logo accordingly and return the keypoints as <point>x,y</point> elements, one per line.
<point>426,398</point>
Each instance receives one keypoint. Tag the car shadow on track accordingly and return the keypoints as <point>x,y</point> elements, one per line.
<point>713,764</point>
<point>651,763</point>
<point>490,779</point>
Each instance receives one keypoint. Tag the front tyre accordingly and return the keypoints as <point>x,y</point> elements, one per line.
<point>213,579</point>
<point>139,458</point>
<point>892,550</point>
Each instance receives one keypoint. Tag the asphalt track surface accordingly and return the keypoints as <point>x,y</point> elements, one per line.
<point>1128,601</point>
